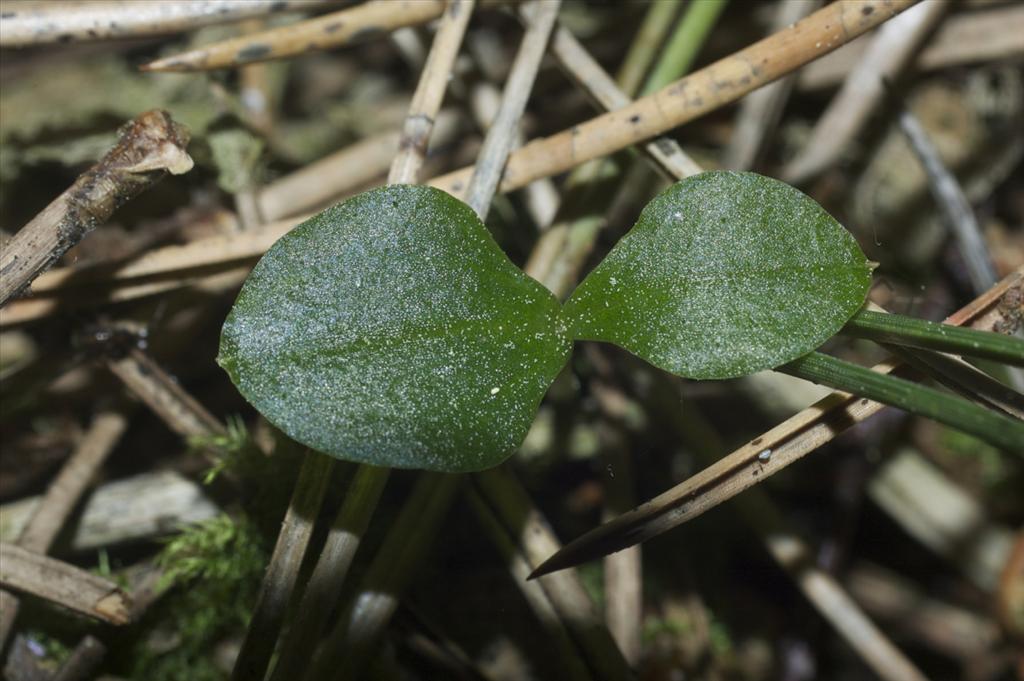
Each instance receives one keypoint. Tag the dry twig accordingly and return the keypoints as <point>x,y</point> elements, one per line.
<point>63,584</point>
<point>703,91</point>
<point>351,25</point>
<point>39,23</point>
<point>149,147</point>
<point>61,497</point>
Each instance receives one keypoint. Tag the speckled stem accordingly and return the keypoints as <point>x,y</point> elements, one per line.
<point>695,95</point>
<point>353,25</point>
<point>999,430</point>
<point>919,333</point>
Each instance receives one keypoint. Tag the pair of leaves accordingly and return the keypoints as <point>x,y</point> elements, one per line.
<point>392,330</point>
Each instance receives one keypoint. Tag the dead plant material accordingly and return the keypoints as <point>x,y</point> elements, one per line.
<point>149,147</point>
<point>63,584</point>
<point>362,22</point>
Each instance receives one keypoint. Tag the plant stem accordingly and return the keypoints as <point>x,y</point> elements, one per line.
<point>678,55</point>
<point>646,44</point>
<point>918,333</point>
<point>953,411</point>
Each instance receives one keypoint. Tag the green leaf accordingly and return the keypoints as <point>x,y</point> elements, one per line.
<point>724,274</point>
<point>392,330</point>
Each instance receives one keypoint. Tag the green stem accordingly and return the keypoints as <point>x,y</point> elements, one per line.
<point>918,333</point>
<point>646,45</point>
<point>999,430</point>
<point>691,30</point>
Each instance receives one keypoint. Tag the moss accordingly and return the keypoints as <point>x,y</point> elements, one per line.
<point>213,572</point>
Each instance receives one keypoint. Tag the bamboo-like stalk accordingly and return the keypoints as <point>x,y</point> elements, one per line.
<point>324,586</point>
<point>565,590</point>
<point>426,101</point>
<point>920,333</point>
<point>364,21</point>
<point>705,90</point>
<point>148,148</point>
<point>891,51</point>
<point>39,23</point>
<point>750,464</point>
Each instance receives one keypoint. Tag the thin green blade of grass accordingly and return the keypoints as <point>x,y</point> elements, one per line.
<point>918,333</point>
<point>956,412</point>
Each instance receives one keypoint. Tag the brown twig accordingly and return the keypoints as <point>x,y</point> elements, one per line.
<point>149,147</point>
<point>330,30</point>
<point>703,91</point>
<point>61,497</point>
<point>752,463</point>
<point>63,584</point>
<point>153,385</point>
<point>891,51</point>
<point>40,23</point>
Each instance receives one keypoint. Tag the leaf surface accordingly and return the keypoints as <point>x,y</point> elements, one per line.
<point>392,330</point>
<point>724,274</point>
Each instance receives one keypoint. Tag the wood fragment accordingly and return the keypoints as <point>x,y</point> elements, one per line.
<point>283,570</point>
<point>498,142</point>
<point>697,94</point>
<point>39,23</point>
<point>348,26</point>
<point>62,496</point>
<point>63,584</point>
<point>149,147</point>
<point>891,51</point>
<point>787,442</point>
